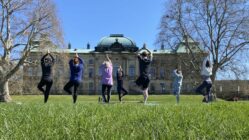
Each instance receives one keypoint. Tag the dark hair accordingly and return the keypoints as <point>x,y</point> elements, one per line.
<point>47,59</point>
<point>144,53</point>
<point>76,60</point>
<point>208,64</point>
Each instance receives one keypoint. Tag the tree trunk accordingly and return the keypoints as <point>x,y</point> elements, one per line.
<point>213,76</point>
<point>4,92</point>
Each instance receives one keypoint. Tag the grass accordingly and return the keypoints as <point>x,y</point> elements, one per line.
<point>29,118</point>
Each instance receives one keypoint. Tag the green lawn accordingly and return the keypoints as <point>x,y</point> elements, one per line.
<point>27,117</point>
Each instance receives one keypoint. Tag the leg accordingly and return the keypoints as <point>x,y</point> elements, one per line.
<point>40,85</point>
<point>68,86</point>
<point>125,91</point>
<point>201,87</point>
<point>48,87</point>
<point>109,87</point>
<point>103,92</point>
<point>119,93</point>
<point>208,89</point>
<point>178,94</point>
<point>146,94</point>
<point>75,94</point>
<point>177,98</point>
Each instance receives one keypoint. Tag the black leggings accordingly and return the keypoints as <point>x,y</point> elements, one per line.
<point>120,89</point>
<point>48,84</point>
<point>68,87</point>
<point>207,85</point>
<point>108,88</point>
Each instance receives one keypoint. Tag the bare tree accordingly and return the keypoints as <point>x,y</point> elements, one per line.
<point>220,26</point>
<point>21,23</point>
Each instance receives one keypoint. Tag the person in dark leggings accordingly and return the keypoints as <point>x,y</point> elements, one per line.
<point>106,79</point>
<point>47,62</point>
<point>206,72</point>
<point>120,88</point>
<point>76,70</point>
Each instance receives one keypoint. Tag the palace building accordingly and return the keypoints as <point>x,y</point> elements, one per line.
<point>122,51</point>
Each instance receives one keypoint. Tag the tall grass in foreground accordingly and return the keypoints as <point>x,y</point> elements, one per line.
<point>29,118</point>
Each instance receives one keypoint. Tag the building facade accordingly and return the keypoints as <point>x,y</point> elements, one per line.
<point>122,51</point>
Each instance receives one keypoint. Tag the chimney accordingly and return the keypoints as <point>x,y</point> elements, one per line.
<point>88,46</point>
<point>162,46</point>
<point>69,45</point>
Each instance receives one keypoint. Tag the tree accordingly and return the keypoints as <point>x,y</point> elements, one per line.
<point>23,22</point>
<point>220,26</point>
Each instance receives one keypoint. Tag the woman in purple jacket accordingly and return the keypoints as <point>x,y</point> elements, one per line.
<point>76,70</point>
<point>106,79</point>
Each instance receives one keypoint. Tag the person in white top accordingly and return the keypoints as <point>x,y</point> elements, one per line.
<point>206,72</point>
<point>177,83</point>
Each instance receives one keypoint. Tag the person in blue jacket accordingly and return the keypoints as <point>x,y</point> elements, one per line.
<point>47,63</point>
<point>76,71</point>
<point>177,84</point>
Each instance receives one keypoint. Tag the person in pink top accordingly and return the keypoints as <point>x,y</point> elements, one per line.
<point>106,79</point>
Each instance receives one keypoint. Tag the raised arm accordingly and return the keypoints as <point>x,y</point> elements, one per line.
<point>204,62</point>
<point>177,74</point>
<point>53,60</point>
<point>42,59</point>
<point>81,60</point>
<point>108,59</point>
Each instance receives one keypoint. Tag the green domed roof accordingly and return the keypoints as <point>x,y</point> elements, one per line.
<point>108,41</point>
<point>116,42</point>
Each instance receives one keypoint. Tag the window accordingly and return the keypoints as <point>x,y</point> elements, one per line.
<point>90,62</point>
<point>132,71</point>
<point>152,73</point>
<point>115,69</point>
<point>90,72</point>
<point>100,70</point>
<point>163,87</point>
<point>162,73</point>
<point>91,86</point>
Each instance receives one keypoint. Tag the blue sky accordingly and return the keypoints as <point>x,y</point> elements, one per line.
<point>86,21</point>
